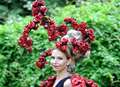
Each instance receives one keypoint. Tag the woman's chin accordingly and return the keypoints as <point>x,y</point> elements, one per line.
<point>56,69</point>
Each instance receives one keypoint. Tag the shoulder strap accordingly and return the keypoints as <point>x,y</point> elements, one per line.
<point>61,82</point>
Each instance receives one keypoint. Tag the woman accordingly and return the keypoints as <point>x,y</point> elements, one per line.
<point>71,46</point>
<point>63,62</point>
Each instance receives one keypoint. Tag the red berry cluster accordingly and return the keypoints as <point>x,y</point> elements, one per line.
<point>42,61</point>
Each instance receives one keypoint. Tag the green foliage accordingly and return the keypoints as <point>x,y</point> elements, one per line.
<point>11,8</point>
<point>17,66</point>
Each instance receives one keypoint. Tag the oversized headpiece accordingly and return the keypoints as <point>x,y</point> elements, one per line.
<point>66,36</point>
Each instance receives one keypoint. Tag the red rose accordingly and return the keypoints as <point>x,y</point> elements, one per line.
<point>41,2</point>
<point>63,48</point>
<point>48,52</point>
<point>75,25</point>
<point>62,29</point>
<point>43,9</point>
<point>91,83</point>
<point>38,18</point>
<point>26,31</point>
<point>78,81</point>
<point>52,37</point>
<point>64,40</point>
<point>39,64</point>
<point>83,46</point>
<point>69,20</point>
<point>29,41</point>
<point>83,25</point>
<point>42,59</point>
<point>35,11</point>
<point>91,34</point>
<point>22,41</point>
<point>73,41</point>
<point>29,49</point>
<point>31,25</point>
<point>75,50</point>
<point>38,3</point>
<point>58,44</point>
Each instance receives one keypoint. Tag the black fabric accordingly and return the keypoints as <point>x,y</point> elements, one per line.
<point>61,82</point>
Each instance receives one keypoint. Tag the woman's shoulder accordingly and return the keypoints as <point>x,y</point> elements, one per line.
<point>80,81</point>
<point>68,83</point>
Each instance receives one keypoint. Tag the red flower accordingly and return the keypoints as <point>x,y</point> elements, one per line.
<point>77,81</point>
<point>29,41</point>
<point>63,48</point>
<point>75,25</point>
<point>64,40</point>
<point>75,50</point>
<point>41,2</point>
<point>52,37</point>
<point>31,25</point>
<point>48,52</point>
<point>29,49</point>
<point>73,41</point>
<point>42,59</point>
<point>91,34</point>
<point>38,18</point>
<point>84,46</point>
<point>69,20</point>
<point>43,9</point>
<point>26,31</point>
<point>35,11</point>
<point>22,41</point>
<point>39,64</point>
<point>62,29</point>
<point>83,25</point>
<point>91,83</point>
<point>58,44</point>
<point>38,3</point>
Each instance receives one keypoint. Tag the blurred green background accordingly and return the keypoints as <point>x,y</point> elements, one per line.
<point>17,66</point>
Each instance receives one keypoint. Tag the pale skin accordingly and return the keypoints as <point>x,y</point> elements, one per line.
<point>59,63</point>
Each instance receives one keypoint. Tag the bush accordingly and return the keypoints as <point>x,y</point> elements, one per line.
<point>18,66</point>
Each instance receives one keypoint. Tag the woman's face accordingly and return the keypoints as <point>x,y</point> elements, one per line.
<point>59,60</point>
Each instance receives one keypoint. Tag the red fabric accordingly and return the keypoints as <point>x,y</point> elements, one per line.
<point>76,81</point>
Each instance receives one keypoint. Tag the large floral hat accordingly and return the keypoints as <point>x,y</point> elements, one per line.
<point>62,32</point>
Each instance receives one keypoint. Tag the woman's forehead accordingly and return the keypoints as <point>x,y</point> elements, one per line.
<point>58,53</point>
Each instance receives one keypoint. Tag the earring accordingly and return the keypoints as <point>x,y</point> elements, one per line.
<point>70,68</point>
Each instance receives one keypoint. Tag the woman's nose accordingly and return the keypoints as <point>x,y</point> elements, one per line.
<point>55,61</point>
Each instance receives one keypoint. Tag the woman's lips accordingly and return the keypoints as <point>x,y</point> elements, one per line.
<point>55,65</point>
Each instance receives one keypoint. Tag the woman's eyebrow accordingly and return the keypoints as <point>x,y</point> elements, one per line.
<point>52,56</point>
<point>57,56</point>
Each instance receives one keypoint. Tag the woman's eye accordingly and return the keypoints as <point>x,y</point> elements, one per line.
<point>52,57</point>
<point>60,58</point>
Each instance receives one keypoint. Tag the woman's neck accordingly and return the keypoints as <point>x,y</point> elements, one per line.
<point>62,74</point>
